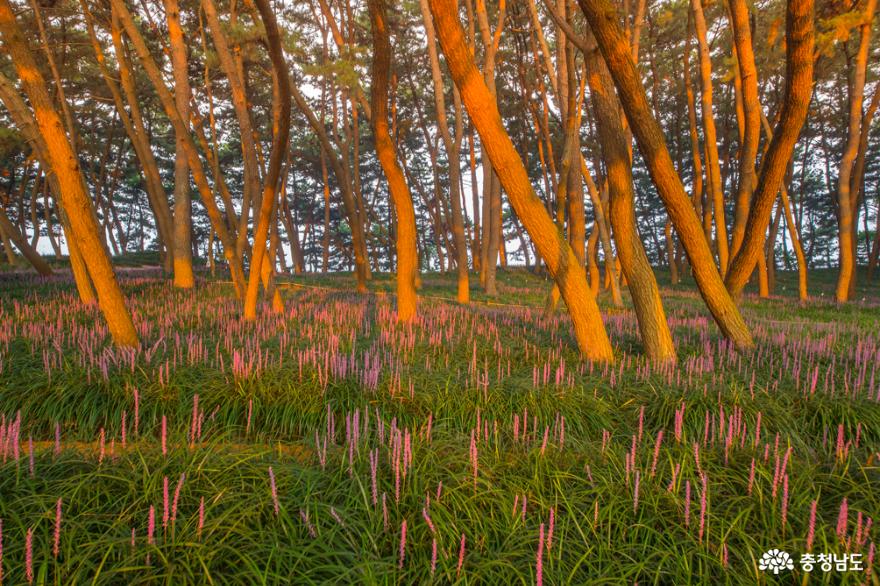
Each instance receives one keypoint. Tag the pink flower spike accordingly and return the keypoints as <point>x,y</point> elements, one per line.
<point>539,565</point>
<point>402,545</point>
<point>56,546</point>
<point>29,555</point>
<point>274,490</point>
<point>811,532</point>
<point>460,557</point>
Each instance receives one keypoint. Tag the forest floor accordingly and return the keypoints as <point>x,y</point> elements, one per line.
<point>330,445</point>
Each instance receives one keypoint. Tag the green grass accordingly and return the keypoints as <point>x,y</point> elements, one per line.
<point>598,536</point>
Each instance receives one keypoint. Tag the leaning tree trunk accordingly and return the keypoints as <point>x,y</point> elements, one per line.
<point>407,253</point>
<point>64,164</point>
<point>16,237</point>
<point>603,21</point>
<point>561,261</point>
<point>268,204</point>
<point>636,266</point>
<point>181,130</point>
<point>133,123</point>
<point>798,91</point>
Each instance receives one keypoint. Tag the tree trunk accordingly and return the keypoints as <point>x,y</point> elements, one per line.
<point>227,61</point>
<point>180,129</point>
<point>11,232</point>
<point>713,168</point>
<point>183,269</point>
<point>798,91</point>
<point>642,283</point>
<point>452,146</point>
<point>63,163</point>
<point>551,243</point>
<point>845,204</point>
<point>407,253</point>
<point>603,21</point>
<point>751,109</point>
<point>269,198</point>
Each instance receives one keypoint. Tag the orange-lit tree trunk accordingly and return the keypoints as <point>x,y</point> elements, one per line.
<point>24,121</point>
<point>845,200</point>
<point>796,101</point>
<point>407,253</point>
<point>713,167</point>
<point>636,266</point>
<point>268,201</point>
<point>857,194</point>
<point>453,150</point>
<point>748,152</point>
<point>609,36</point>
<point>697,187</point>
<point>64,164</point>
<point>550,242</point>
<point>183,269</point>
<point>407,248</point>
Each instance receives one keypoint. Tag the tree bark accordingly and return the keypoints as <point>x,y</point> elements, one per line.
<point>407,253</point>
<point>798,91</point>
<point>642,283</point>
<point>453,150</point>
<point>180,129</point>
<point>551,243</point>
<point>183,269</point>
<point>269,198</point>
<point>751,109</point>
<point>845,204</point>
<point>603,21</point>
<point>713,168</point>
<point>63,163</point>
<point>15,236</point>
<point>226,59</point>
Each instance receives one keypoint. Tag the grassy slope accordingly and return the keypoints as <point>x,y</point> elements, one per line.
<point>453,365</point>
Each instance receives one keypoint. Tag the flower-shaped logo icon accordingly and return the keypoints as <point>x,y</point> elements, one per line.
<point>775,560</point>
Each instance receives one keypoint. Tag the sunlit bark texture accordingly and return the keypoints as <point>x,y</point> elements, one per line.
<point>602,18</point>
<point>561,261</point>
<point>407,253</point>
<point>642,283</point>
<point>748,73</point>
<point>798,90</point>
<point>64,164</point>
<point>181,127</point>
<point>268,201</point>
